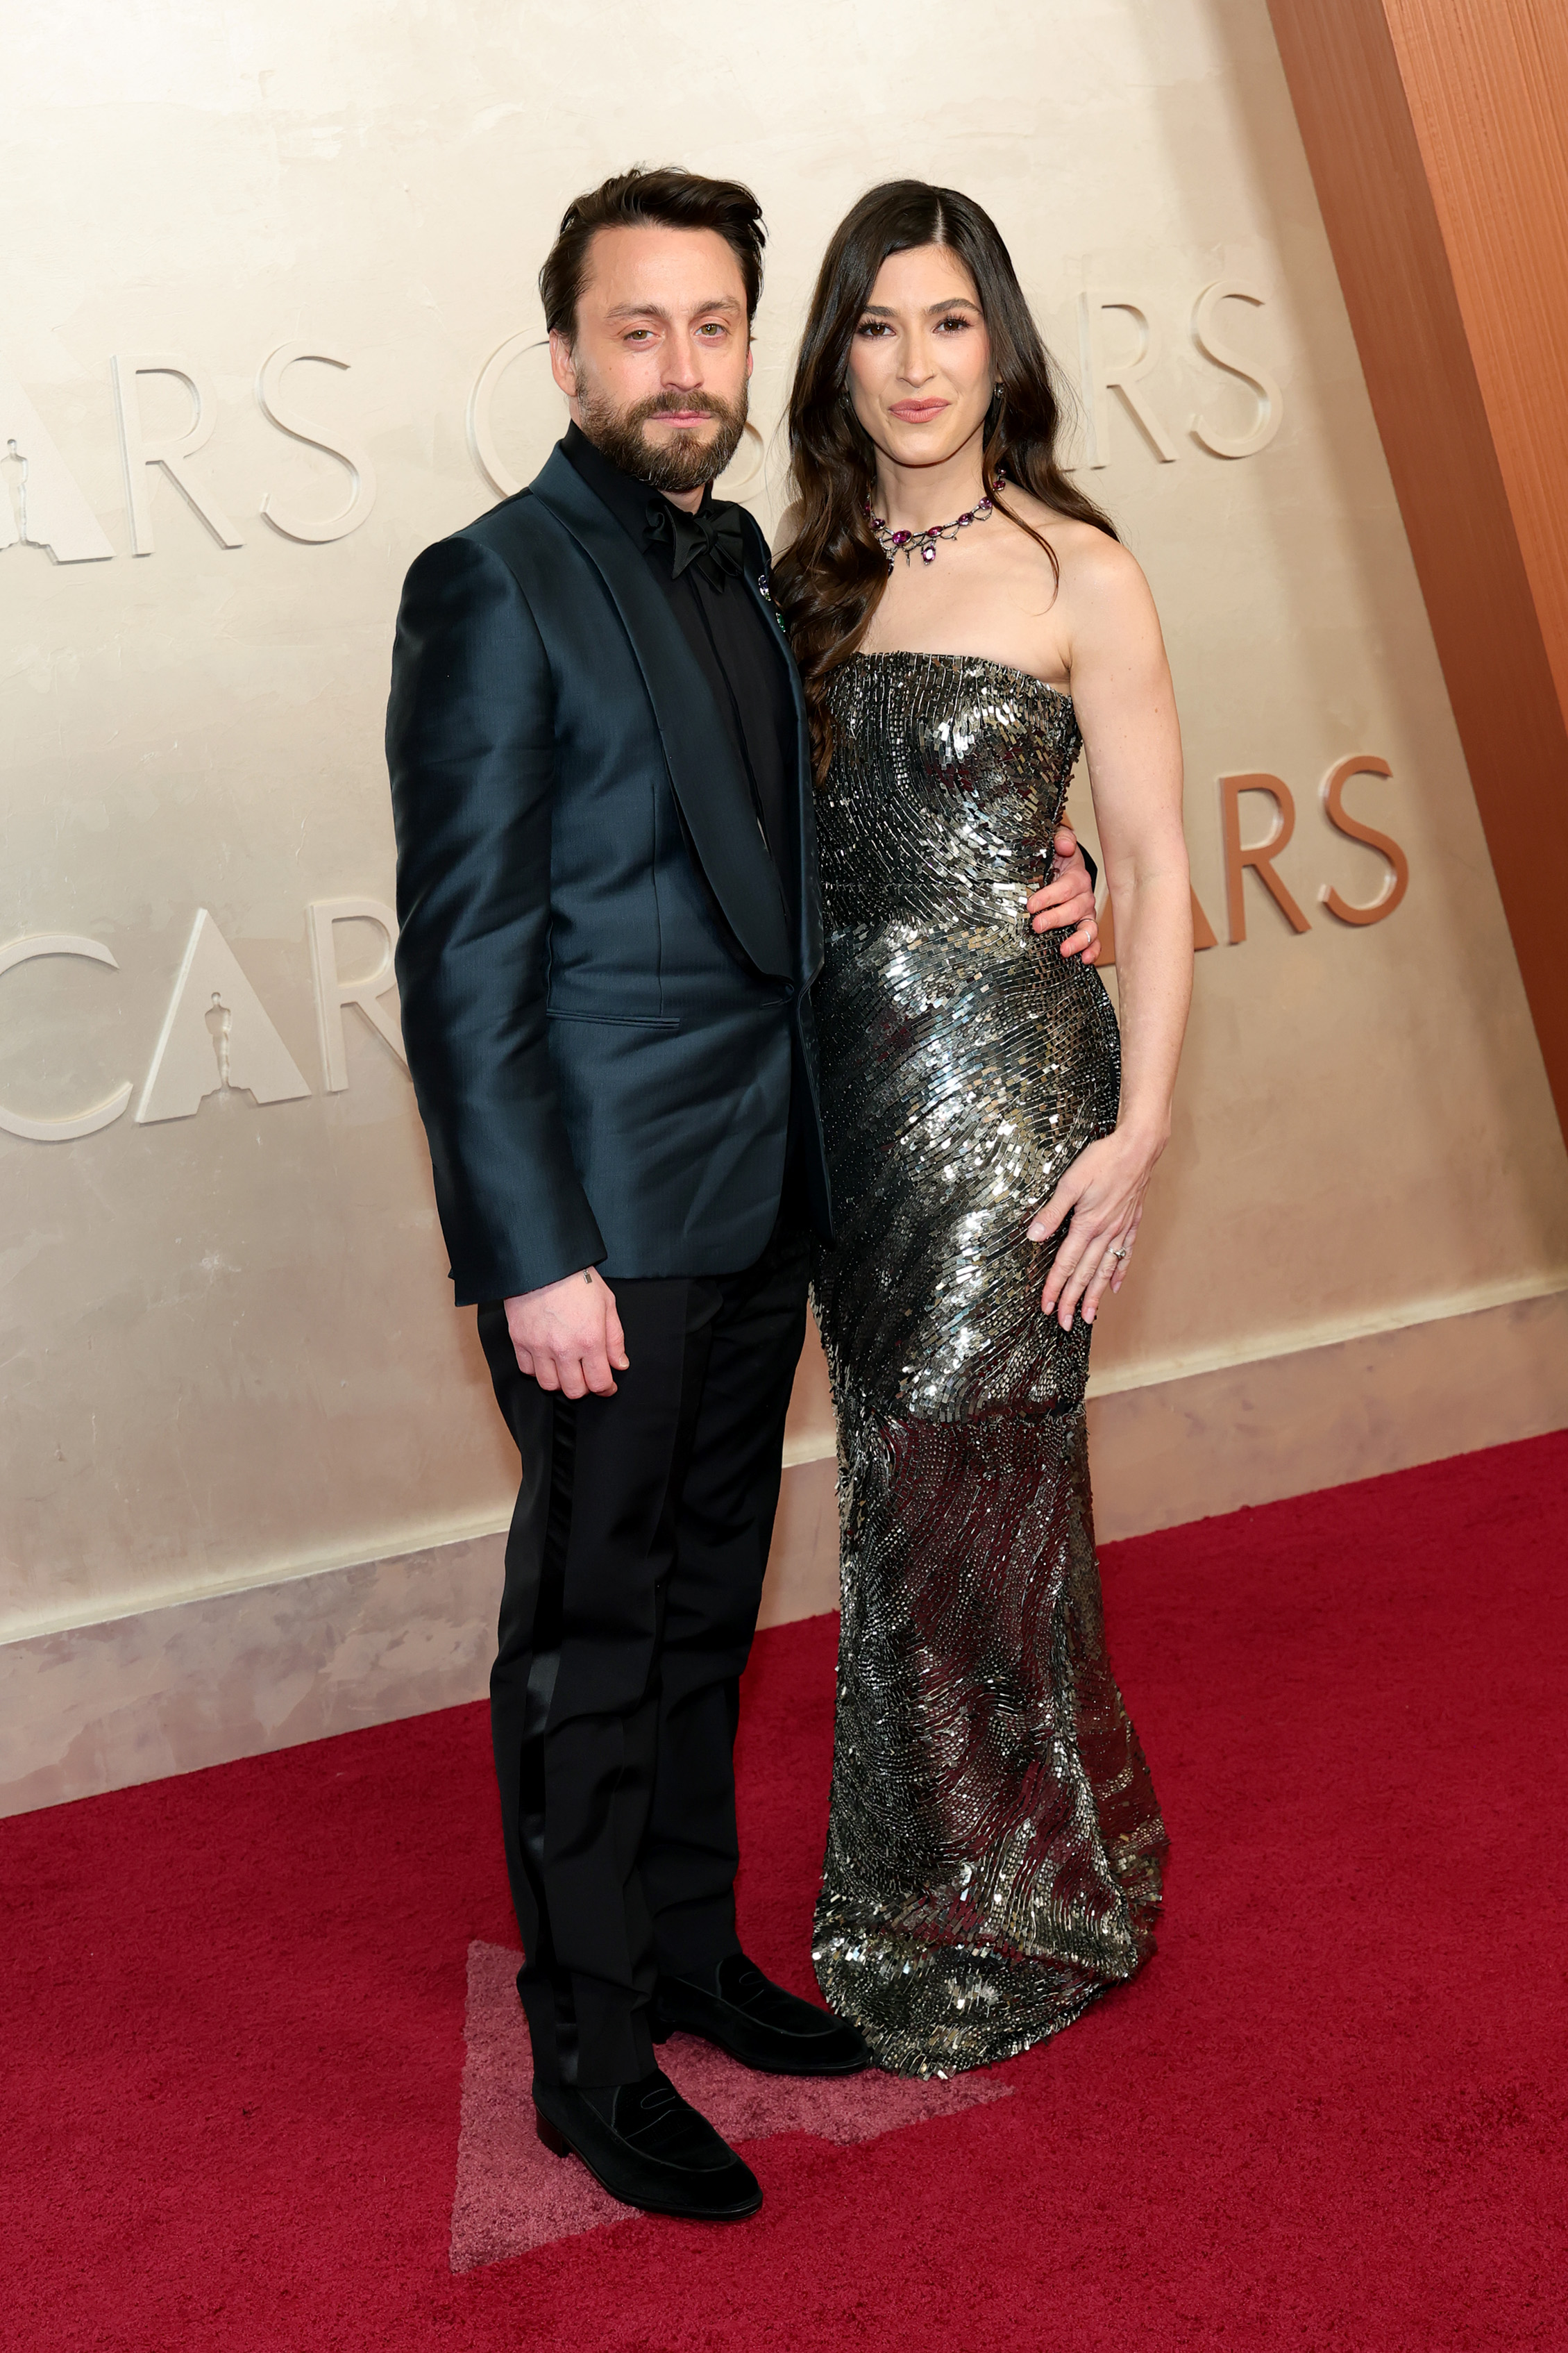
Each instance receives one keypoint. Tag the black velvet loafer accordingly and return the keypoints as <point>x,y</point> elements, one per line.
<point>655,2151</point>
<point>757,2022</point>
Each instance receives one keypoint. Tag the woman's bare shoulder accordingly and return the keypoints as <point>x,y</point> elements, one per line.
<point>1094,566</point>
<point>1073,540</point>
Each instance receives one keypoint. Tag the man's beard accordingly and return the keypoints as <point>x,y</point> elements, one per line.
<point>676,462</point>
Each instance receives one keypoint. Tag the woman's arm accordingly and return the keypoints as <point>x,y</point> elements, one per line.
<point>1127,709</point>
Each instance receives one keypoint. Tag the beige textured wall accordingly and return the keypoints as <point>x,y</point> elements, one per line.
<point>228,1351</point>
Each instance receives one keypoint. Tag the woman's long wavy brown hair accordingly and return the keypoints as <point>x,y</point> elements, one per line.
<point>830,579</point>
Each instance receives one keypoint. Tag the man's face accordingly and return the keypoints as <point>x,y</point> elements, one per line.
<point>656,372</point>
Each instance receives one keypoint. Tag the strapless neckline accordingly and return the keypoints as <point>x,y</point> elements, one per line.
<point>969,661</point>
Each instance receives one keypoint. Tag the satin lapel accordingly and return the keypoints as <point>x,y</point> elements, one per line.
<point>714,796</point>
<point>807,890</point>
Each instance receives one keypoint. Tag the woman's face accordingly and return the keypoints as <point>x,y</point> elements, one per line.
<point>920,361</point>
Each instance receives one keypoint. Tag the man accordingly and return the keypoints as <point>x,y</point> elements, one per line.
<point>609,928</point>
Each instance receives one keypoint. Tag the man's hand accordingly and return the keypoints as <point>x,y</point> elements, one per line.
<point>568,1335</point>
<point>1068,899</point>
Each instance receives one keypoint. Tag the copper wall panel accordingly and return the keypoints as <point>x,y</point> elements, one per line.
<point>1488,91</point>
<point>1433,129</point>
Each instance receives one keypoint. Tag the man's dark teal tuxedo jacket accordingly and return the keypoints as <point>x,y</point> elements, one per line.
<point>603,988</point>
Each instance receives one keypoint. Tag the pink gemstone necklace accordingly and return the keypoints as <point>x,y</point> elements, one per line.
<point>895,543</point>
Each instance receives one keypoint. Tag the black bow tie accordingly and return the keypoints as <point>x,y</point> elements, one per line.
<point>712,539</point>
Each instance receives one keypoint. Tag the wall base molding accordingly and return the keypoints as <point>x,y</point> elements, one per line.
<point>1383,1400</point>
<point>201,1680</point>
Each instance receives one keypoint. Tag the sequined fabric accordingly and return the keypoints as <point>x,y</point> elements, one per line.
<point>994,1846</point>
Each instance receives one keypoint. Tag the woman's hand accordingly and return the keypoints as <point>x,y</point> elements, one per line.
<point>1102,1195</point>
<point>1066,903</point>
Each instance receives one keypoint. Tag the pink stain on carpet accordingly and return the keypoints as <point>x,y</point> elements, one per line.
<point>511,2194</point>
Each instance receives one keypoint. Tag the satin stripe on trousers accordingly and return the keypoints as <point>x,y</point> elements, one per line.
<point>633,1570</point>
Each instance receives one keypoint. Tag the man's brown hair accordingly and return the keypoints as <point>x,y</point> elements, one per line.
<point>663,196</point>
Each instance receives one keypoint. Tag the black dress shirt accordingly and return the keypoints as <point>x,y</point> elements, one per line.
<point>736,647</point>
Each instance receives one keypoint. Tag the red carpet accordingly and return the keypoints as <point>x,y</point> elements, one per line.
<point>1330,2114</point>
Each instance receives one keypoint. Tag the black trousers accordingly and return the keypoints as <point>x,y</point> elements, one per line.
<point>634,1569</point>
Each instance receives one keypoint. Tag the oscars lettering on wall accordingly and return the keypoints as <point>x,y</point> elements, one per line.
<point>47,509</point>
<point>217,1034</point>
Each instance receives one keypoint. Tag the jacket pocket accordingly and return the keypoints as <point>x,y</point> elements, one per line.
<point>616,1021</point>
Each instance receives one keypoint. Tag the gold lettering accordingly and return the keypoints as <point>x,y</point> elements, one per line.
<point>1260,855</point>
<point>1396,881</point>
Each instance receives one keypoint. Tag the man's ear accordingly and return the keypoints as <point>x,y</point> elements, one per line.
<point>751,361</point>
<point>563,363</point>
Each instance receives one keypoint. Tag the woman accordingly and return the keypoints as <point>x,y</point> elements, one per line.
<point>964,621</point>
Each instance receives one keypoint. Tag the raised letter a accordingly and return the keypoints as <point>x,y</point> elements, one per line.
<point>215,1034</point>
<point>52,512</point>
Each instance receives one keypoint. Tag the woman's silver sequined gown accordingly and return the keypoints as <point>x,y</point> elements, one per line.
<point>995,1848</point>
